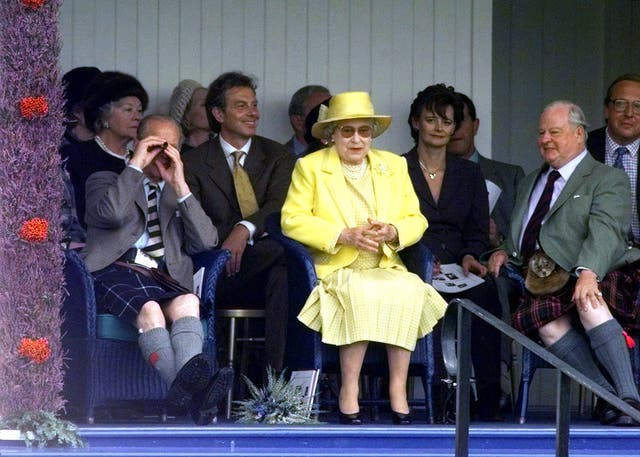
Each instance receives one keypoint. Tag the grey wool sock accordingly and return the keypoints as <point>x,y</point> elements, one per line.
<point>611,350</point>
<point>574,349</point>
<point>186,339</point>
<point>155,345</point>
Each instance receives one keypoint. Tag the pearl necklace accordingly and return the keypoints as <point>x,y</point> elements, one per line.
<point>432,174</point>
<point>104,147</point>
<point>355,171</point>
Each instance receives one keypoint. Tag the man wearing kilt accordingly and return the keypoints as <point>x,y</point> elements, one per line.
<point>142,226</point>
<point>569,237</point>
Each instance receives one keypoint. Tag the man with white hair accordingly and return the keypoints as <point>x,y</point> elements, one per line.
<point>569,237</point>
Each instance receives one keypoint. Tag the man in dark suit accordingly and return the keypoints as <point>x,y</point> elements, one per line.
<point>503,175</point>
<point>146,216</point>
<point>621,137</point>
<point>217,174</point>
<point>577,212</point>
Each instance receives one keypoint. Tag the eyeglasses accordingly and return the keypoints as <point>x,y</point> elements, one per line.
<point>620,105</point>
<point>347,131</point>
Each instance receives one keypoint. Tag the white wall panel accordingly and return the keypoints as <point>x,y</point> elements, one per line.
<point>190,40</point>
<point>102,39</point>
<point>127,45</point>
<point>211,36</point>
<point>87,40</point>
<point>316,69</point>
<point>392,48</point>
<point>147,61</point>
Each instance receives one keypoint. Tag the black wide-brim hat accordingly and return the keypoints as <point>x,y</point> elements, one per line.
<point>107,87</point>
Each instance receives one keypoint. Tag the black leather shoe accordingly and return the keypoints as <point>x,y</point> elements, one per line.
<point>401,419</point>
<point>192,378</point>
<point>350,419</point>
<point>606,413</point>
<point>204,407</point>
<point>627,421</point>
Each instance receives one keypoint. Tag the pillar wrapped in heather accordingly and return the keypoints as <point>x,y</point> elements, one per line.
<point>31,261</point>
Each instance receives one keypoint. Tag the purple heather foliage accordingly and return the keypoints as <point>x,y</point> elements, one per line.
<point>31,274</point>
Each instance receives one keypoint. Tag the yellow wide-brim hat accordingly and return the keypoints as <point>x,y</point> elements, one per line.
<point>349,105</point>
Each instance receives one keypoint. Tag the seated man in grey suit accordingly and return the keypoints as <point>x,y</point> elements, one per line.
<point>503,175</point>
<point>240,178</point>
<point>142,225</point>
<point>618,143</point>
<point>569,230</point>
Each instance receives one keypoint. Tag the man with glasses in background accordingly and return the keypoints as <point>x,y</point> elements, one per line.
<point>617,143</point>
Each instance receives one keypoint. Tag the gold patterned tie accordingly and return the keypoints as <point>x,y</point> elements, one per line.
<point>244,190</point>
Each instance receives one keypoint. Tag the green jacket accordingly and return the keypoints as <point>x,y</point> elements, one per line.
<point>588,225</point>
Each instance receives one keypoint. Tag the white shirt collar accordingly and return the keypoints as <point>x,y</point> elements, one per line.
<point>567,170</point>
<point>229,149</point>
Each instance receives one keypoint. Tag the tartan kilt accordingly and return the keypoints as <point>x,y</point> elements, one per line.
<point>619,290</point>
<point>122,292</point>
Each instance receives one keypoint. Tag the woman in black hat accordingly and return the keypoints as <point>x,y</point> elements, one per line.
<point>113,108</point>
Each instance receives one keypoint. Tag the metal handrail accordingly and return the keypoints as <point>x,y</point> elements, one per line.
<point>457,325</point>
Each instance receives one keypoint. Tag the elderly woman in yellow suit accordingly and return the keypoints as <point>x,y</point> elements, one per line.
<point>355,208</point>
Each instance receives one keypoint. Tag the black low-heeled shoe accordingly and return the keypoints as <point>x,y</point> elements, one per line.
<point>606,413</point>
<point>350,419</point>
<point>401,418</point>
<point>627,421</point>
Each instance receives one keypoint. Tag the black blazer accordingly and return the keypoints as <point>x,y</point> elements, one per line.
<point>596,144</point>
<point>269,166</point>
<point>459,222</point>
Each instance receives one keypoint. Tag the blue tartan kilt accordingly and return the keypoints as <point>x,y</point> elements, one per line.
<point>619,290</point>
<point>122,292</point>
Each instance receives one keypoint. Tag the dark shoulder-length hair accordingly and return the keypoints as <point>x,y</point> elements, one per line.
<point>435,98</point>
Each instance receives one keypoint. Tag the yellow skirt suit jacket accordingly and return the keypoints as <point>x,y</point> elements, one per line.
<point>355,301</point>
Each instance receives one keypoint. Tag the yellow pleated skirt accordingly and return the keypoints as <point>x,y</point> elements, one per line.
<point>383,305</point>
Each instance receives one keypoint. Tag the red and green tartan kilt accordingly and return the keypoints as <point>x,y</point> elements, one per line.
<point>619,290</point>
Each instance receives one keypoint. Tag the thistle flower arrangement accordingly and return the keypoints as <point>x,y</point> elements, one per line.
<point>279,402</point>
<point>31,262</point>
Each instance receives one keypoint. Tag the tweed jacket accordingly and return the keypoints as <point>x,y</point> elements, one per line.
<point>315,211</point>
<point>116,218</point>
<point>587,226</point>
<point>596,144</point>
<point>207,172</point>
<point>506,176</point>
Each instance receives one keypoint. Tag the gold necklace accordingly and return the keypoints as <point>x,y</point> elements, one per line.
<point>431,174</point>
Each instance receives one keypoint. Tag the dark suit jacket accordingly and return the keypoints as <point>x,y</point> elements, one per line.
<point>116,217</point>
<point>459,222</point>
<point>269,166</point>
<point>587,225</point>
<point>506,176</point>
<point>596,142</point>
